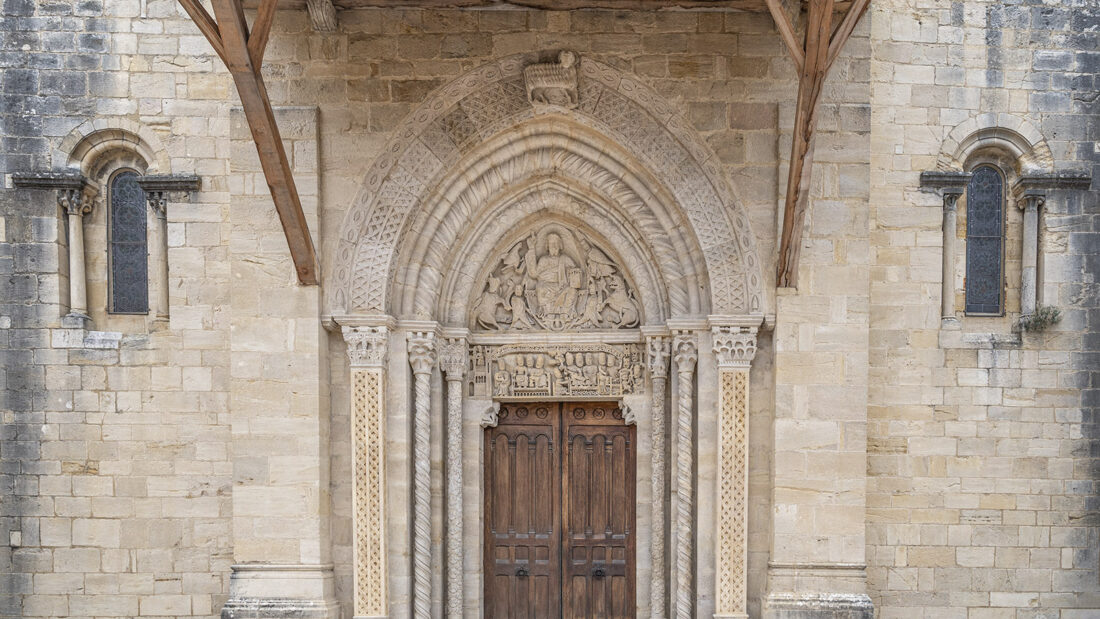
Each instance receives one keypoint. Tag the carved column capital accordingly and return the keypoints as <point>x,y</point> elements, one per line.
<point>158,202</point>
<point>453,357</point>
<point>657,355</point>
<point>76,201</point>
<point>1031,200</point>
<point>366,345</point>
<point>734,346</point>
<point>951,197</point>
<point>685,350</point>
<point>422,353</point>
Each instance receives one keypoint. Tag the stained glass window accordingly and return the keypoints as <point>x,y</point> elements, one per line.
<point>129,251</point>
<point>985,242</point>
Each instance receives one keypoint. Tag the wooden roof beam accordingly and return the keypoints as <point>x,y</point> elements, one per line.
<point>243,57</point>
<point>821,47</point>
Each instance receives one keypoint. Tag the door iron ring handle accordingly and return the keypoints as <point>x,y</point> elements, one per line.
<point>522,573</point>
<point>598,573</point>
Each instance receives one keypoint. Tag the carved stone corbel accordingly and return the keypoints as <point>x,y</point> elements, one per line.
<point>553,84</point>
<point>490,417</point>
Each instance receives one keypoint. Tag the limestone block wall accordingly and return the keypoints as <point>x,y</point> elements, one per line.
<point>981,444</point>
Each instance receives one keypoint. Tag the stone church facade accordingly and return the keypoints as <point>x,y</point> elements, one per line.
<point>548,368</point>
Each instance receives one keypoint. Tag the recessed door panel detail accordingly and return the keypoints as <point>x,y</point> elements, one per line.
<point>559,529</point>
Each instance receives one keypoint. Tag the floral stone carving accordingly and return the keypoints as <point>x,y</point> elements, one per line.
<point>557,280</point>
<point>541,370</point>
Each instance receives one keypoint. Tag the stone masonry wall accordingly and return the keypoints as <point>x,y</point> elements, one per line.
<point>982,451</point>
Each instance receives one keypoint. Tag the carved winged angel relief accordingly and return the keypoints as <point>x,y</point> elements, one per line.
<point>557,280</point>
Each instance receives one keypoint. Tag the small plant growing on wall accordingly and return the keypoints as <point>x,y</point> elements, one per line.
<point>1044,317</point>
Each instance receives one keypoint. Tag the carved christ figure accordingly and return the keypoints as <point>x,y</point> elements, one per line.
<point>554,288</point>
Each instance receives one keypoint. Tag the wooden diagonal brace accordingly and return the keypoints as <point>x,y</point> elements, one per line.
<point>242,57</point>
<point>821,47</point>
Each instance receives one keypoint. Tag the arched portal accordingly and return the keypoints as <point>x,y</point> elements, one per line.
<point>546,232</point>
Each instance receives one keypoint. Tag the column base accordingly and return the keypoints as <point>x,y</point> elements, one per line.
<point>817,591</point>
<point>270,591</point>
<point>76,320</point>
<point>818,606</point>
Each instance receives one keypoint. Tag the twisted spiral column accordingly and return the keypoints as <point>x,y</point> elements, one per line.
<point>686,354</point>
<point>421,345</point>
<point>453,362</point>
<point>657,350</point>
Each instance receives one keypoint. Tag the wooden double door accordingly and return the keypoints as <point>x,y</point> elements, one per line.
<point>559,512</point>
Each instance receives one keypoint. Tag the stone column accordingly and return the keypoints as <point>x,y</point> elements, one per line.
<point>158,192</point>
<point>950,234</point>
<point>949,185</point>
<point>158,203</point>
<point>734,348</point>
<point>76,203</point>
<point>367,355</point>
<point>452,360</point>
<point>1030,201</point>
<point>422,358</point>
<point>657,356</point>
<point>686,353</point>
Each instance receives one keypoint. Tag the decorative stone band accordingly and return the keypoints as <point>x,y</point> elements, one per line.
<point>74,191</point>
<point>734,349</point>
<point>452,360</point>
<point>657,358</point>
<point>422,358</point>
<point>686,353</point>
<point>366,353</point>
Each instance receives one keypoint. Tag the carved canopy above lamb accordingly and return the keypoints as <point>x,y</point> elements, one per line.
<point>556,279</point>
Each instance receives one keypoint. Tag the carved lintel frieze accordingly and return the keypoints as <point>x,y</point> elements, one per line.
<point>553,84</point>
<point>734,346</point>
<point>421,350</point>
<point>366,345</point>
<point>490,417</point>
<point>556,370</point>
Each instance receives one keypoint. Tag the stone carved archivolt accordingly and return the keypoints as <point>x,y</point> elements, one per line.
<point>556,370</point>
<point>493,98</point>
<point>556,279</point>
<point>366,353</point>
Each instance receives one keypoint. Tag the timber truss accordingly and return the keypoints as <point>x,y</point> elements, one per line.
<point>242,51</point>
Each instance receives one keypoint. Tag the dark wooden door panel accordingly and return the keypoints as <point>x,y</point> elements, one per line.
<point>598,512</point>
<point>522,524</point>
<point>559,513</point>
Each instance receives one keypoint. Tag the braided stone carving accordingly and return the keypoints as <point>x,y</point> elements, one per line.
<point>366,353</point>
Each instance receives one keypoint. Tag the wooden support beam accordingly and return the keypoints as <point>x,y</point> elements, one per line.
<point>821,47</point>
<point>206,25</point>
<point>238,53</point>
<point>786,32</point>
<point>261,30</point>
